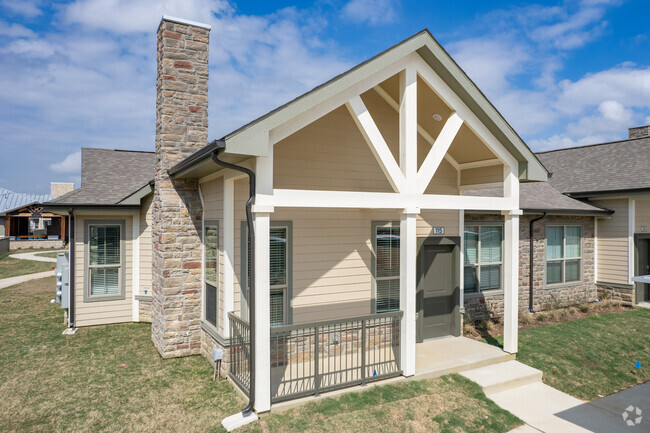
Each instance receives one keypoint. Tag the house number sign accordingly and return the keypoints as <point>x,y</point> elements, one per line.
<point>438,230</point>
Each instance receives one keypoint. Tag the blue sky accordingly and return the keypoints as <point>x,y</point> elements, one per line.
<point>82,73</point>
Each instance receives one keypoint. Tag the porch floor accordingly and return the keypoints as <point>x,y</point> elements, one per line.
<point>434,358</point>
<point>448,355</point>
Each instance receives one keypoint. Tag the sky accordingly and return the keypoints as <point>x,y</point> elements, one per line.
<point>82,73</point>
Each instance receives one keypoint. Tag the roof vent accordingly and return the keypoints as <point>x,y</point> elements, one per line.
<point>639,131</point>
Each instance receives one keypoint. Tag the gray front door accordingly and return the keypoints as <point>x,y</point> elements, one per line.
<point>643,267</point>
<point>438,289</point>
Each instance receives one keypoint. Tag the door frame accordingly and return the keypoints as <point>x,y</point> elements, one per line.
<point>639,288</point>
<point>453,241</point>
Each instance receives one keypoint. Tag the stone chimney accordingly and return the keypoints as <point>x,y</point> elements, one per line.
<point>59,188</point>
<point>181,129</point>
<point>639,131</point>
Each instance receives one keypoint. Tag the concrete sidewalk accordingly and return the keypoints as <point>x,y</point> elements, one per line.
<point>34,257</point>
<point>518,389</point>
<point>6,282</point>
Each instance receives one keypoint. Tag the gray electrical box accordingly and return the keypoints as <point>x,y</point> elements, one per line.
<point>62,274</point>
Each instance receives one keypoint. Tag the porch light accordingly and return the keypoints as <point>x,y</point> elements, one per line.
<point>437,117</point>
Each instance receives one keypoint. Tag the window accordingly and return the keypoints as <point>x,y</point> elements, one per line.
<point>105,261</point>
<point>387,258</point>
<point>279,272</point>
<point>278,275</point>
<point>483,257</point>
<point>563,254</point>
<point>211,271</point>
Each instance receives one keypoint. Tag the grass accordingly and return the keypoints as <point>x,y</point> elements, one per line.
<point>447,404</point>
<point>10,267</point>
<point>590,357</point>
<point>51,382</point>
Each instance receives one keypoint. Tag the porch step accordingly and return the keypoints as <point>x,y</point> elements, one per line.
<point>503,376</point>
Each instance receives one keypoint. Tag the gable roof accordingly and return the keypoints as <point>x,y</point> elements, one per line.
<point>252,138</point>
<point>108,176</point>
<point>10,201</point>
<point>605,168</point>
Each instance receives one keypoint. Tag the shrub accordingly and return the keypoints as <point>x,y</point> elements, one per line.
<point>541,317</point>
<point>526,318</point>
<point>584,308</point>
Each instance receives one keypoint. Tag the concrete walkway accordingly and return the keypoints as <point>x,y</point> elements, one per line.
<point>34,257</point>
<point>518,389</point>
<point>6,282</point>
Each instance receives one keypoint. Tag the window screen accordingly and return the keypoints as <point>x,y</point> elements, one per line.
<point>105,259</point>
<point>387,268</point>
<point>483,252</point>
<point>563,254</point>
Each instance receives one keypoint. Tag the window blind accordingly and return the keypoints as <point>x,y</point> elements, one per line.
<point>104,281</point>
<point>554,242</point>
<point>104,245</point>
<point>387,268</point>
<point>211,242</point>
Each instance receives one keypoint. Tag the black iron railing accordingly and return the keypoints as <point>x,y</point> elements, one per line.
<point>240,352</point>
<point>311,358</point>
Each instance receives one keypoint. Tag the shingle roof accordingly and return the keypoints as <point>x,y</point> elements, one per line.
<point>607,167</point>
<point>10,200</point>
<point>108,176</point>
<point>541,196</point>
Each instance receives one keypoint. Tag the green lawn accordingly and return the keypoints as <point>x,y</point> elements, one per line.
<point>52,382</point>
<point>590,357</point>
<point>10,267</point>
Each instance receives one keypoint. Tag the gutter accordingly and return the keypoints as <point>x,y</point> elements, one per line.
<point>221,145</point>
<point>532,263</point>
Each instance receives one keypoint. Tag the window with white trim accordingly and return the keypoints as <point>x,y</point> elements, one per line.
<point>387,267</point>
<point>563,254</point>
<point>211,271</point>
<point>278,275</point>
<point>279,272</point>
<point>104,260</point>
<point>483,252</point>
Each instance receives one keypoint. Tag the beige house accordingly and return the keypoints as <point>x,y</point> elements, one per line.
<point>321,243</point>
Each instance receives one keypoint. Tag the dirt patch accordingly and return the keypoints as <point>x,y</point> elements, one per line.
<point>490,329</point>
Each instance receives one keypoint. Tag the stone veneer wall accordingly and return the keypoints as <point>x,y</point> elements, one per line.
<point>36,244</point>
<point>181,129</point>
<point>144,311</point>
<point>544,298</point>
<point>617,292</point>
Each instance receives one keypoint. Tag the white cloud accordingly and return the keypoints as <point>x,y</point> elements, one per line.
<point>15,30</point>
<point>128,16</point>
<point>26,8</point>
<point>489,62</point>
<point>373,12</point>
<point>71,164</point>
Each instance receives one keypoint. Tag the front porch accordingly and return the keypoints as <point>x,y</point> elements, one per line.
<point>310,359</point>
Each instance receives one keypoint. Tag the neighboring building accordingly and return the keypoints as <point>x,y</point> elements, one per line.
<point>394,191</point>
<point>23,220</point>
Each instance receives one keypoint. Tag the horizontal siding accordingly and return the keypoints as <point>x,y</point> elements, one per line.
<point>476,176</point>
<point>104,312</point>
<point>213,201</point>
<point>145,245</point>
<point>642,214</point>
<point>612,243</point>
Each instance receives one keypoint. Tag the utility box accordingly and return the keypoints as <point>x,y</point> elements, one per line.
<point>62,274</point>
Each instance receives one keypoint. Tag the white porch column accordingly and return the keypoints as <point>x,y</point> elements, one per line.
<point>408,127</point>
<point>511,263</point>
<point>228,251</point>
<point>408,261</point>
<point>262,220</point>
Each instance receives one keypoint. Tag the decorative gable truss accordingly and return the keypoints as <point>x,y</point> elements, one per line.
<point>408,182</point>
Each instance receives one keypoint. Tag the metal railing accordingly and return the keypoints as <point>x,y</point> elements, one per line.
<point>240,352</point>
<point>311,358</point>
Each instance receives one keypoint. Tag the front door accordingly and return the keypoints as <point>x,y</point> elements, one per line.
<point>643,267</point>
<point>438,288</point>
